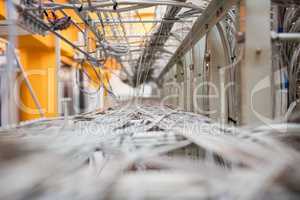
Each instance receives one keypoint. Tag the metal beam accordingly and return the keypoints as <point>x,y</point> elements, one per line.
<point>209,18</point>
<point>256,79</point>
<point>286,36</point>
<point>102,6</point>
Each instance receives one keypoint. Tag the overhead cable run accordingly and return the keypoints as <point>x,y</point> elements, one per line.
<point>202,25</point>
<point>147,58</point>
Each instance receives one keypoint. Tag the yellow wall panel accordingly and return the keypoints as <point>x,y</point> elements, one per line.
<point>72,35</point>
<point>2,10</point>
<point>36,41</point>
<point>40,67</point>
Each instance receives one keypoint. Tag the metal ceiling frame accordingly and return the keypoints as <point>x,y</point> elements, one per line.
<point>82,8</point>
<point>100,6</point>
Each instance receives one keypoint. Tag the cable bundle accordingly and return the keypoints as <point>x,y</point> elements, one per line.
<point>147,152</point>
